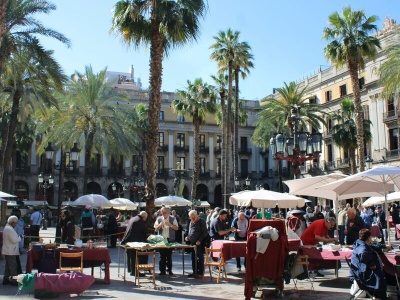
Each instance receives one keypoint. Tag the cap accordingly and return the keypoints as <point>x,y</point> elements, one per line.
<point>88,207</point>
<point>378,207</point>
<point>223,212</point>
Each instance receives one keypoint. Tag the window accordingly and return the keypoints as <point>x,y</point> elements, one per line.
<point>161,115</point>
<point>160,164</point>
<point>95,163</point>
<point>361,82</point>
<point>161,139</point>
<point>116,165</point>
<point>180,119</point>
<point>244,168</point>
<point>181,161</point>
<point>218,171</point>
<point>180,139</point>
<point>330,153</point>
<point>219,141</point>
<point>328,96</point>
<point>202,141</point>
<point>137,163</point>
<point>21,161</point>
<point>202,165</point>
<point>312,99</point>
<point>328,126</point>
<point>343,90</point>
<point>243,143</point>
<point>393,142</point>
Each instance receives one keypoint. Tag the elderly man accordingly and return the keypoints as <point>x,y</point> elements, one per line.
<point>353,226</point>
<point>219,227</point>
<point>166,225</point>
<point>197,232</point>
<point>10,251</point>
<point>342,224</point>
<point>241,224</point>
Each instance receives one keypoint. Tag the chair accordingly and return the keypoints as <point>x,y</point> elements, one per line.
<point>300,272</point>
<point>360,287</point>
<point>145,267</point>
<point>66,256</point>
<point>209,262</point>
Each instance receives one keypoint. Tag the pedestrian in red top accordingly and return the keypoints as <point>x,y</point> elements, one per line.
<point>318,232</point>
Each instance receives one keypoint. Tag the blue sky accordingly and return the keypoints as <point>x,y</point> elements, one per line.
<point>285,37</point>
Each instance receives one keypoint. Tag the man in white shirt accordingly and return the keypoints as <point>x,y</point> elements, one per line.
<point>10,251</point>
<point>35,221</point>
<point>166,225</point>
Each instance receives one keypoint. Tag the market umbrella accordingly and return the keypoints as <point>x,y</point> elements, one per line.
<point>5,195</point>
<point>94,200</point>
<point>266,199</point>
<point>123,204</point>
<point>172,201</point>
<point>380,179</point>
<point>392,197</point>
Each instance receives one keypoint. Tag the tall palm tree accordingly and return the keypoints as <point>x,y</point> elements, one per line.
<point>221,82</point>
<point>18,26</point>
<point>89,113</point>
<point>163,25</point>
<point>351,45</point>
<point>196,101</point>
<point>344,132</point>
<point>223,53</point>
<point>275,113</point>
<point>28,81</point>
<point>390,71</point>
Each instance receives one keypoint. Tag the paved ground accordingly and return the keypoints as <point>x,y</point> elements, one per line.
<point>181,287</point>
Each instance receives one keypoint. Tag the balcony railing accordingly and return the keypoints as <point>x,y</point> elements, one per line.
<point>95,172</point>
<point>245,151</point>
<point>217,150</point>
<point>390,115</point>
<point>204,149</point>
<point>163,173</point>
<point>392,153</point>
<point>178,148</point>
<point>163,148</point>
<point>23,170</point>
<point>205,175</point>
<point>112,172</point>
<point>343,163</point>
<point>330,165</point>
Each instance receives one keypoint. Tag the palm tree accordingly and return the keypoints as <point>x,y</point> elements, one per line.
<point>89,113</point>
<point>18,26</point>
<point>162,25</point>
<point>351,45</point>
<point>196,101</point>
<point>274,115</point>
<point>344,132</point>
<point>223,53</point>
<point>221,82</point>
<point>390,72</point>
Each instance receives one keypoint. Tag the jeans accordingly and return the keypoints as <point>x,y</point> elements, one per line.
<point>238,265</point>
<point>200,260</point>
<point>341,234</point>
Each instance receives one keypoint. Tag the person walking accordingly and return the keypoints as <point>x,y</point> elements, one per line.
<point>112,228</point>
<point>35,221</point>
<point>166,225</point>
<point>67,228</point>
<point>88,221</point>
<point>197,232</point>
<point>10,251</point>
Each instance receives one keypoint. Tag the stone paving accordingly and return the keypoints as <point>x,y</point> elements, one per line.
<point>179,286</point>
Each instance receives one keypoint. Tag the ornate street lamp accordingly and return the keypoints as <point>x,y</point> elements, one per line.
<point>61,167</point>
<point>299,146</point>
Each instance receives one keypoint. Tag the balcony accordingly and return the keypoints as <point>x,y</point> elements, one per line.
<point>113,172</point>
<point>205,175</point>
<point>330,165</point>
<point>74,171</point>
<point>95,172</point>
<point>163,148</point>
<point>204,149</point>
<point>392,153</point>
<point>327,134</point>
<point>23,170</point>
<point>343,163</point>
<point>245,151</point>
<point>264,152</point>
<point>217,150</point>
<point>179,148</point>
<point>390,116</point>
<point>163,173</point>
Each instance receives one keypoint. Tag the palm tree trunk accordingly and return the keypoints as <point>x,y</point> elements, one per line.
<point>196,154</point>
<point>156,56</point>
<point>236,128</point>
<point>228,136</point>
<point>359,116</point>
<point>223,147</point>
<point>3,29</point>
<point>353,163</point>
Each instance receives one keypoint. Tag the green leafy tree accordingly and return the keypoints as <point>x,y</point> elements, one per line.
<point>344,132</point>
<point>18,26</point>
<point>196,101</point>
<point>163,25</point>
<point>390,71</point>
<point>351,45</point>
<point>89,113</point>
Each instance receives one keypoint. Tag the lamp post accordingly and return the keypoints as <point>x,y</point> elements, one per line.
<point>61,167</point>
<point>369,162</point>
<point>245,186</point>
<point>299,146</point>
<point>45,184</point>
<point>135,184</point>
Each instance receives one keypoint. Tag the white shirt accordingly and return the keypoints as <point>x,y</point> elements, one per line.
<point>165,228</point>
<point>10,241</point>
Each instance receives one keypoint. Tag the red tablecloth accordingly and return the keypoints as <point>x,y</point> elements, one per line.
<point>323,259</point>
<point>294,244</point>
<point>230,249</point>
<point>91,258</point>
